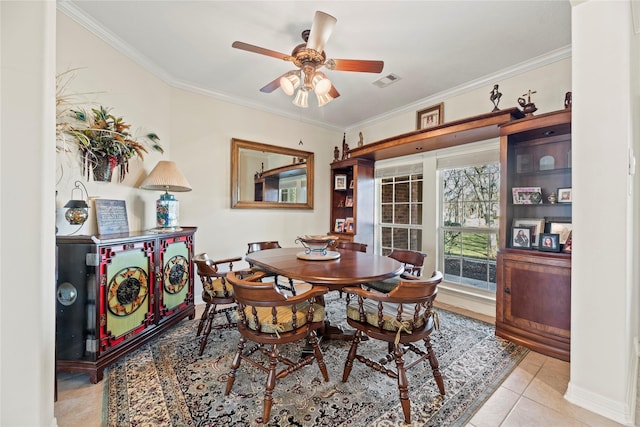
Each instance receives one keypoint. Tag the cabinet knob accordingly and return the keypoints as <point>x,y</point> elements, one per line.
<point>507,290</point>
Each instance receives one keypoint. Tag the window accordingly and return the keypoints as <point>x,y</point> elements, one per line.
<point>469,224</point>
<point>400,209</point>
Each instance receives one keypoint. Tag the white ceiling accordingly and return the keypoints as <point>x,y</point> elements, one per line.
<point>433,46</point>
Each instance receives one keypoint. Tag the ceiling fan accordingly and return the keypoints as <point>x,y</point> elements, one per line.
<point>309,57</point>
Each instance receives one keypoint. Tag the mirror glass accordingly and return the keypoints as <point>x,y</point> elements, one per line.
<point>269,176</point>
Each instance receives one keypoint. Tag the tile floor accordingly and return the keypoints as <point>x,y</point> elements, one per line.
<point>531,396</point>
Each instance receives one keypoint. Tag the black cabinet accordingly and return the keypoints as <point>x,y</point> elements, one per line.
<point>115,292</point>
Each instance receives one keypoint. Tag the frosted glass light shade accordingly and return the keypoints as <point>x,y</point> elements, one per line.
<point>321,84</point>
<point>324,99</point>
<point>301,99</point>
<point>289,83</point>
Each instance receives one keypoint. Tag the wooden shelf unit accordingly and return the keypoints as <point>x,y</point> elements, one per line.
<point>358,172</point>
<point>533,295</point>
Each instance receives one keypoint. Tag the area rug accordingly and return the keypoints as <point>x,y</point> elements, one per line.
<point>166,383</point>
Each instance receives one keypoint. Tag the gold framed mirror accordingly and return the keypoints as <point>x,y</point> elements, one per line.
<point>267,176</point>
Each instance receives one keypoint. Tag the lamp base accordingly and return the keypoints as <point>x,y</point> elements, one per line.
<point>159,230</point>
<point>167,211</point>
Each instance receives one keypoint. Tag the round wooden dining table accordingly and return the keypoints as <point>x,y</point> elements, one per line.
<point>351,268</point>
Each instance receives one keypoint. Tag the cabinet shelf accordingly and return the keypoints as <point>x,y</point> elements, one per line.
<point>356,217</point>
<point>533,287</point>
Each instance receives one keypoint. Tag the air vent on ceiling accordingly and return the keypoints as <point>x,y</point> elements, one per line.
<point>387,80</point>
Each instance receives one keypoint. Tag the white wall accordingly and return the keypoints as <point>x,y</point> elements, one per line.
<point>604,305</point>
<point>105,77</point>
<point>27,246</point>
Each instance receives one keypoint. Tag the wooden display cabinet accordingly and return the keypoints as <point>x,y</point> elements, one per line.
<point>352,200</point>
<point>115,292</point>
<point>533,295</point>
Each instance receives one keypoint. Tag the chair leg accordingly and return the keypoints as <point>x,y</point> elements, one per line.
<point>435,366</point>
<point>203,319</point>
<point>351,356</point>
<point>235,365</point>
<point>403,385</point>
<point>318,355</point>
<point>270,384</point>
<point>207,329</point>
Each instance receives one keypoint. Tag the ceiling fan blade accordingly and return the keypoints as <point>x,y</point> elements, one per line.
<point>257,49</point>
<point>320,31</point>
<point>270,87</point>
<point>355,65</point>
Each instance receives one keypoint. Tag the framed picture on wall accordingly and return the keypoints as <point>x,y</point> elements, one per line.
<point>430,117</point>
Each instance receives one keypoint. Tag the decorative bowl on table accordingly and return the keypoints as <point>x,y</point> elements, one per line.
<point>316,245</point>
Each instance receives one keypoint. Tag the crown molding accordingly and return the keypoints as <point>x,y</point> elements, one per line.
<point>523,67</point>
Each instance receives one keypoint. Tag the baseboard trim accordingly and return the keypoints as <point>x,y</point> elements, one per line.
<point>467,300</point>
<point>617,411</point>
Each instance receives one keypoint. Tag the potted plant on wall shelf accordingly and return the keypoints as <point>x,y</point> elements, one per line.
<point>105,143</point>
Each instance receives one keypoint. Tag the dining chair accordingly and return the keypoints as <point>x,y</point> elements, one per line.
<point>351,246</point>
<point>412,261</point>
<point>285,283</point>
<point>400,318</point>
<point>215,292</point>
<point>270,318</point>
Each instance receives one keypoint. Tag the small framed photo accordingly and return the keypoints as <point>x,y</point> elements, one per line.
<point>524,163</point>
<point>348,202</point>
<point>527,195</point>
<point>339,226</point>
<point>351,184</point>
<point>430,117</point>
<point>340,182</point>
<point>521,237</point>
<point>568,244</point>
<point>348,225</point>
<point>564,195</point>
<point>549,242</point>
<point>562,228</point>
<point>536,223</point>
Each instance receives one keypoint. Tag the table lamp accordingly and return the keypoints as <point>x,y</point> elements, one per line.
<point>166,176</point>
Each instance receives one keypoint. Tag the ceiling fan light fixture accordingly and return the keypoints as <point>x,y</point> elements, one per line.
<point>324,99</point>
<point>289,83</point>
<point>321,84</point>
<point>302,98</point>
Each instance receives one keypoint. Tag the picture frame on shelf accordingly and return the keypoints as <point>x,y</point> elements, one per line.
<point>351,184</point>
<point>524,163</point>
<point>348,225</point>
<point>430,117</point>
<point>348,201</point>
<point>521,237</point>
<point>549,242</point>
<point>339,226</point>
<point>561,227</point>
<point>536,223</point>
<point>568,245</point>
<point>340,182</point>
<point>565,195</point>
<point>527,195</point>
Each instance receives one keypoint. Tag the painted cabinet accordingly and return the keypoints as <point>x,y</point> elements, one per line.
<point>115,292</point>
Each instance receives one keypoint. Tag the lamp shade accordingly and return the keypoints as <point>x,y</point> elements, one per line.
<point>166,177</point>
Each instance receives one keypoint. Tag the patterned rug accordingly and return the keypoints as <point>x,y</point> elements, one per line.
<point>166,383</point>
